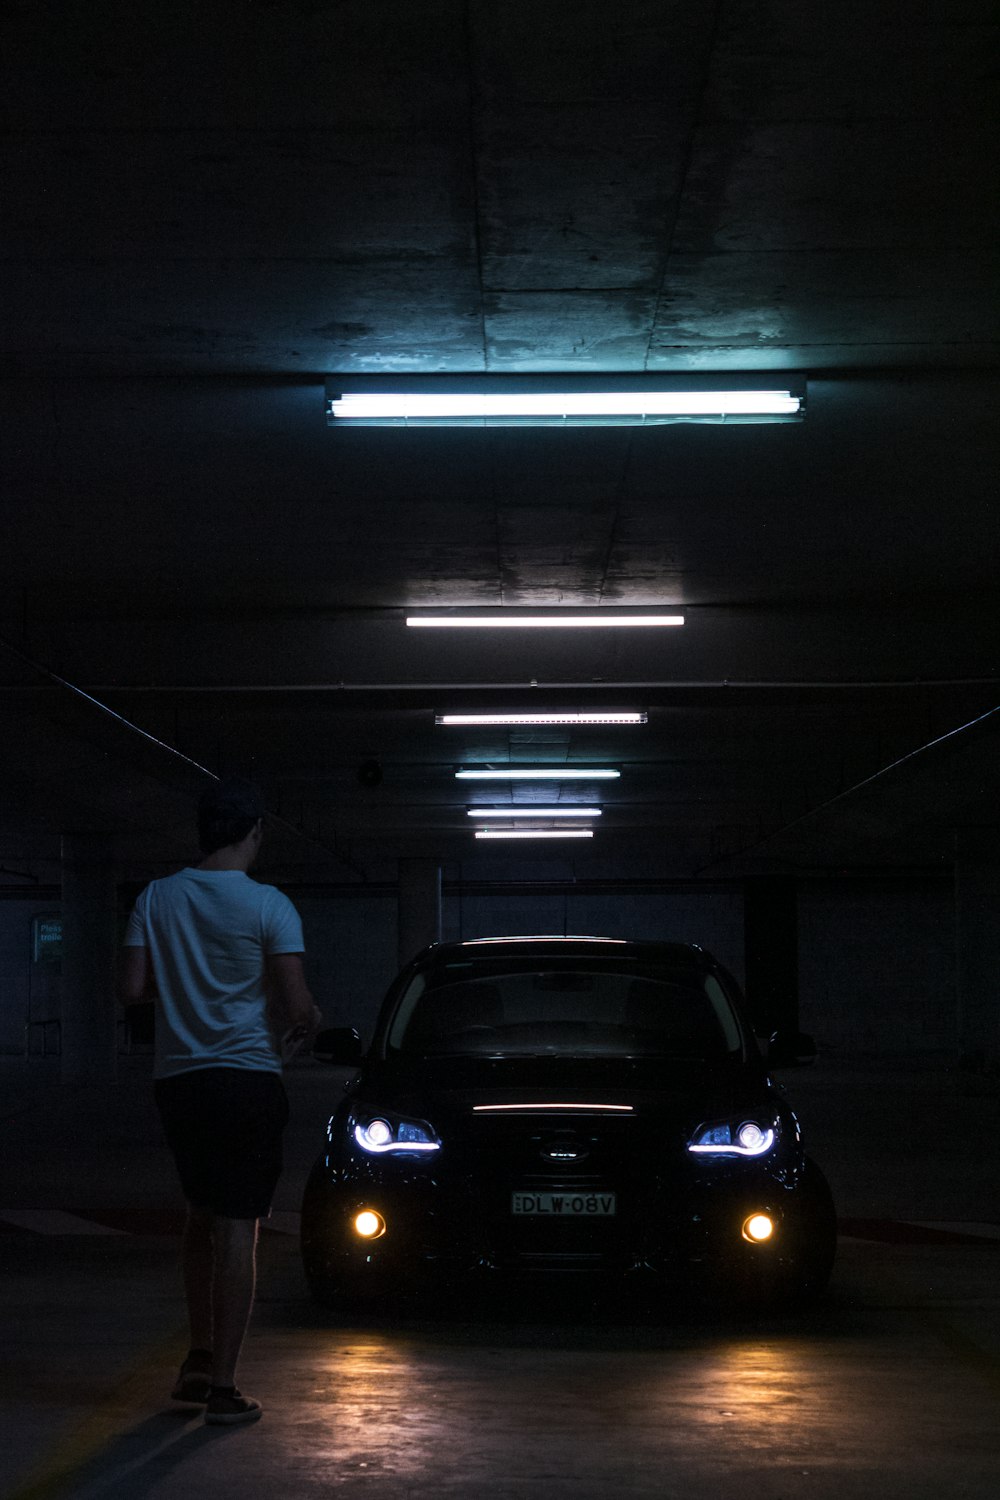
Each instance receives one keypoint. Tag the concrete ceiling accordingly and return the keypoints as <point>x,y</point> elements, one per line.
<point>209,208</point>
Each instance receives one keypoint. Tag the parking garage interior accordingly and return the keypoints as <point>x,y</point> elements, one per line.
<point>213,217</point>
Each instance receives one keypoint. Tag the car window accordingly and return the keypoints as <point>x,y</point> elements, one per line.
<point>580,1009</point>
<point>724,1011</point>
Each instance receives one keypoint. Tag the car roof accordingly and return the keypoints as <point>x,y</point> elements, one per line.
<point>684,955</point>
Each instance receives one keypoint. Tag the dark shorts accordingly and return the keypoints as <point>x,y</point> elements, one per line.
<point>224,1127</point>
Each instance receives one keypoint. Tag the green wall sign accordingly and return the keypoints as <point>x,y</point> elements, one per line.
<point>47,937</point>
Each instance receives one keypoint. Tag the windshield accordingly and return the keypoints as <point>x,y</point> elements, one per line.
<point>571,1007</point>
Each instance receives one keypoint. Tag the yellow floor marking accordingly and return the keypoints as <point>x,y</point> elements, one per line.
<point>110,1417</point>
<point>52,1221</point>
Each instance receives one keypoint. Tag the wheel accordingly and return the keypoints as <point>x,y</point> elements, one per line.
<point>318,1241</point>
<point>819,1237</point>
<point>325,1284</point>
<point>333,1279</point>
<point>803,1276</point>
<point>804,1252</point>
<point>331,1284</point>
<point>325,1291</point>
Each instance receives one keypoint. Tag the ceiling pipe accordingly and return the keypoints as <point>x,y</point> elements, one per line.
<point>593,686</point>
<point>860,786</point>
<point>86,696</point>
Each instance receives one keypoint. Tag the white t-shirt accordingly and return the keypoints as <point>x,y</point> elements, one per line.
<point>208,932</point>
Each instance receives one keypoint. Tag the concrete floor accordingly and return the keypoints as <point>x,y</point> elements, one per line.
<point>891,1386</point>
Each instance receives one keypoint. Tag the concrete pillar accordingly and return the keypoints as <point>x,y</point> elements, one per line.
<point>89,1012</point>
<point>771,949</point>
<point>419,911</point>
<point>977,948</point>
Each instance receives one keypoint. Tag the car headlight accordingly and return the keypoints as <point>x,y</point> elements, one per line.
<point>382,1133</point>
<point>738,1137</point>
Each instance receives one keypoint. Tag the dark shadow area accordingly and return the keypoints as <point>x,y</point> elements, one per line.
<point>135,1464</point>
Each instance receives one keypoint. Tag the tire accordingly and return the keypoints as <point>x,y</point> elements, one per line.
<point>798,1275</point>
<point>325,1285</point>
<point>332,1280</point>
<point>325,1291</point>
<point>323,1277</point>
<point>805,1279</point>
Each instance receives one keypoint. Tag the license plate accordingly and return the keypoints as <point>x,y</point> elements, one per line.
<point>564,1205</point>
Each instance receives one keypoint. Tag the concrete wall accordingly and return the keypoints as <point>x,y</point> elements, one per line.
<point>876,965</point>
<point>715,920</point>
<point>26,989</point>
<point>350,955</point>
<point>351,940</point>
<point>877,969</point>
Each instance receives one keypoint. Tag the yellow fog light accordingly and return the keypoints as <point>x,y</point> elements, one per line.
<point>369,1224</point>
<point>758,1228</point>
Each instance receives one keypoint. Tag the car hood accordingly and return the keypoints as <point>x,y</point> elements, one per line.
<point>426,1086</point>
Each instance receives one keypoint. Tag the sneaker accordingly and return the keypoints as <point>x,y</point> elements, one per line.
<point>226,1407</point>
<point>194,1379</point>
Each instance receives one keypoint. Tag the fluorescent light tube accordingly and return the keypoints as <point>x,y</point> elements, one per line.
<point>555,405</point>
<point>599,619</point>
<point>526,810</point>
<point>500,719</point>
<point>535,833</point>
<point>544,773</point>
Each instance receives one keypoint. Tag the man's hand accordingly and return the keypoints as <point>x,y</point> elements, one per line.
<point>296,1036</point>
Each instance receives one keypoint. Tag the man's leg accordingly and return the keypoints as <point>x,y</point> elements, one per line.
<point>197,1266</point>
<point>233,1284</point>
<point>194,1377</point>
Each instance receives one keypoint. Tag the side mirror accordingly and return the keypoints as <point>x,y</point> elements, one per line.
<point>791,1049</point>
<point>338,1044</point>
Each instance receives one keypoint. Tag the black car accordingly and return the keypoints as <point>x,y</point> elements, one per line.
<point>569,1104</point>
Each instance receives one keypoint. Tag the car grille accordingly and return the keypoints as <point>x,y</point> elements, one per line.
<point>572,1156</point>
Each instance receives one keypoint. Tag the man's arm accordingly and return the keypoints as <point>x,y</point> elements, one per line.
<point>290,1004</point>
<point>135,976</point>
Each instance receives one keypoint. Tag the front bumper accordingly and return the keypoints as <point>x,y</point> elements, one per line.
<point>675,1227</point>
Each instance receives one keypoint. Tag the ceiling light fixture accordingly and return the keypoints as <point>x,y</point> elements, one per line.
<point>527,811</point>
<point>539,773</point>
<point>451,720</point>
<point>558,400</point>
<point>534,833</point>
<point>601,619</point>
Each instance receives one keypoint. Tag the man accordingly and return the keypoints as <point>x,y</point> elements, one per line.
<point>221,955</point>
